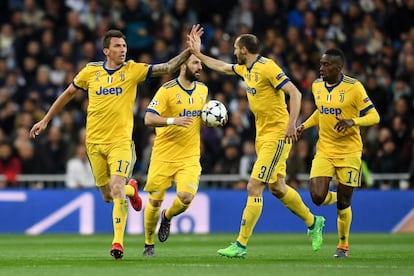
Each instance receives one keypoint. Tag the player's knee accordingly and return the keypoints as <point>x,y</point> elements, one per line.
<point>317,199</point>
<point>185,198</point>
<point>116,189</point>
<point>343,204</point>
<point>278,188</point>
<point>155,203</point>
<point>254,188</point>
<point>276,191</point>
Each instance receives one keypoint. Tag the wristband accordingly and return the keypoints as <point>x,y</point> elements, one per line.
<point>170,121</point>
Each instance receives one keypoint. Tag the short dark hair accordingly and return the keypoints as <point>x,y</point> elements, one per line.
<point>250,41</point>
<point>110,34</point>
<point>336,53</point>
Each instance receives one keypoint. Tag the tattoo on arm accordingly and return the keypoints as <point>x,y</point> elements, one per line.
<point>172,65</point>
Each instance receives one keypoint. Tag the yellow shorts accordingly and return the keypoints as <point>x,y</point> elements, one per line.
<point>111,159</point>
<point>271,160</point>
<point>186,176</point>
<point>347,170</point>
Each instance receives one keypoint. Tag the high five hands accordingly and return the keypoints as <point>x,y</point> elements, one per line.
<point>193,38</point>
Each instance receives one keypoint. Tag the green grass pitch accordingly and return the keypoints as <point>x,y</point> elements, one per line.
<point>268,254</point>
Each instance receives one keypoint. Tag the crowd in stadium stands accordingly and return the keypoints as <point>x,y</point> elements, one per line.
<point>44,43</point>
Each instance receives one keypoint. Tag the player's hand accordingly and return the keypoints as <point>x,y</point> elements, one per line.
<point>299,130</point>
<point>194,39</point>
<point>343,124</point>
<point>291,135</point>
<point>183,121</point>
<point>38,128</point>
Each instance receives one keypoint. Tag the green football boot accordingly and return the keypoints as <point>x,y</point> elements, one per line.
<point>233,251</point>
<point>316,233</point>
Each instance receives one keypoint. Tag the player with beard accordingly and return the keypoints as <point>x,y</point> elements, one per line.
<point>267,85</point>
<point>175,113</point>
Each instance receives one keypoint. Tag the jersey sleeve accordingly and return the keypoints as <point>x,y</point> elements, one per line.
<point>142,71</point>
<point>159,104</point>
<point>238,70</point>
<point>81,79</point>
<point>362,101</point>
<point>276,76</point>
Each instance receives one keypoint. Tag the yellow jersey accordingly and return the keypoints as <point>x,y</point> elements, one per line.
<point>111,96</point>
<point>346,99</point>
<point>264,80</point>
<point>176,143</point>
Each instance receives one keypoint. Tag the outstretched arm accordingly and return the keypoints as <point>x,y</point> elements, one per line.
<point>212,63</point>
<point>173,64</point>
<point>57,106</point>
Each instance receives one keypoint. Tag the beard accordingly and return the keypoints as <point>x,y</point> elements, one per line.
<point>190,75</point>
<point>240,60</point>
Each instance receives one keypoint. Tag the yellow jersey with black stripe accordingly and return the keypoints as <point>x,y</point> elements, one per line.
<point>264,80</point>
<point>176,143</point>
<point>346,99</point>
<point>111,96</point>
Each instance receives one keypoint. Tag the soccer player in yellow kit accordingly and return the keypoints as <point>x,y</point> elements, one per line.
<point>266,85</point>
<point>342,107</point>
<point>112,87</point>
<point>175,112</point>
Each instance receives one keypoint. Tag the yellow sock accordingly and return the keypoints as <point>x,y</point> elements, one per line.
<point>330,198</point>
<point>344,226</point>
<point>151,215</point>
<point>176,208</point>
<point>129,190</point>
<point>119,216</point>
<point>294,203</point>
<point>251,214</point>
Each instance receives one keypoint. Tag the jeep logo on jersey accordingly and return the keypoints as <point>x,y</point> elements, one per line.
<point>190,113</point>
<point>331,111</point>
<point>109,91</point>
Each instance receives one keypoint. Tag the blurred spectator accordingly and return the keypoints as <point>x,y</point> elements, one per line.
<point>54,150</point>
<point>31,163</point>
<point>387,161</point>
<point>230,161</point>
<point>10,166</point>
<point>183,13</point>
<point>32,14</point>
<point>336,30</point>
<point>240,15</point>
<point>136,21</point>
<point>78,170</point>
<point>8,111</point>
<point>115,10</point>
<point>299,161</point>
<point>270,15</point>
<point>296,15</point>
<point>91,14</point>
<point>378,95</point>
<point>48,47</point>
<point>43,85</point>
<point>246,164</point>
<point>58,72</point>
<point>6,42</point>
